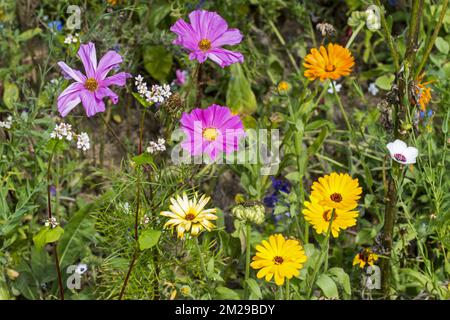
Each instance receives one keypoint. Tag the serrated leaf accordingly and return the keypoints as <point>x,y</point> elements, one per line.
<point>148,238</point>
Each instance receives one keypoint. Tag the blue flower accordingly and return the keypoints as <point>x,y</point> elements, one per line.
<point>271,200</point>
<point>55,25</point>
<point>280,185</point>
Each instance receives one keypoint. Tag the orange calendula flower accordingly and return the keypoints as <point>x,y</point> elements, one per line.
<point>365,256</point>
<point>423,92</point>
<point>332,62</point>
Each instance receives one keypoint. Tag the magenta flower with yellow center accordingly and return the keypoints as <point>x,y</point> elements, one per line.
<point>205,36</point>
<point>211,131</point>
<point>91,88</point>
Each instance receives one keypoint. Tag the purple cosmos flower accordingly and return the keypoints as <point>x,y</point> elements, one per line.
<point>205,36</point>
<point>181,77</point>
<point>211,131</point>
<point>92,88</point>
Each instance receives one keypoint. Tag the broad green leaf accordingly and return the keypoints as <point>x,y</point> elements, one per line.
<point>148,238</point>
<point>342,278</point>
<point>240,97</point>
<point>312,149</point>
<point>385,82</point>
<point>47,235</point>
<point>254,288</point>
<point>227,294</point>
<point>143,158</point>
<point>158,12</point>
<point>328,286</point>
<point>158,62</point>
<point>10,94</point>
<point>442,45</point>
<point>141,100</point>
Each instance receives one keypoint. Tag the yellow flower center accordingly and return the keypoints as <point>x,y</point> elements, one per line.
<point>91,84</point>
<point>204,44</point>
<point>336,197</point>
<point>210,134</point>
<point>278,260</point>
<point>330,67</point>
<point>283,86</point>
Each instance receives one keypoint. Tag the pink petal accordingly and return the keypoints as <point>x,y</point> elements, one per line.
<point>230,37</point>
<point>69,98</point>
<point>207,25</point>
<point>198,55</point>
<point>103,92</point>
<point>107,62</point>
<point>224,57</point>
<point>186,35</point>
<point>90,103</point>
<point>88,56</point>
<point>119,79</point>
<point>74,74</point>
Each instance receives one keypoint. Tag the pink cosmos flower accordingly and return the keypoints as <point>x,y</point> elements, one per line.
<point>92,88</point>
<point>205,36</point>
<point>181,77</point>
<point>211,131</point>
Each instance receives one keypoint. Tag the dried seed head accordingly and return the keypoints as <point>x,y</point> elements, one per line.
<point>325,29</point>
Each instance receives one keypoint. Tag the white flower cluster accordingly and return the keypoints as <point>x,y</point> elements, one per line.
<point>154,147</point>
<point>83,141</point>
<point>7,123</point>
<point>157,93</point>
<point>64,131</point>
<point>51,222</point>
<point>70,38</point>
<point>145,219</point>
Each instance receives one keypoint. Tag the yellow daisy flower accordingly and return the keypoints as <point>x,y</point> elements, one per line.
<point>365,256</point>
<point>319,217</point>
<point>188,215</point>
<point>332,62</point>
<point>338,191</point>
<point>279,258</point>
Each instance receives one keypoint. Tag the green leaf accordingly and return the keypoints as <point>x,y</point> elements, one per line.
<point>342,278</point>
<point>254,288</point>
<point>158,12</point>
<point>240,97</point>
<point>143,158</point>
<point>312,149</point>
<point>141,100</point>
<point>442,45</point>
<point>328,286</point>
<point>47,235</point>
<point>227,294</point>
<point>27,35</point>
<point>10,94</point>
<point>385,82</point>
<point>158,62</point>
<point>148,238</point>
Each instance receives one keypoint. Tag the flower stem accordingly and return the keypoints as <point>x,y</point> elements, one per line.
<point>247,259</point>
<point>354,34</point>
<point>341,107</point>
<point>288,289</point>
<point>49,214</point>
<point>202,261</point>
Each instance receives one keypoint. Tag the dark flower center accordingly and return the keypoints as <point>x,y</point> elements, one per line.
<point>278,260</point>
<point>190,216</point>
<point>400,157</point>
<point>91,84</point>
<point>204,44</point>
<point>336,197</point>
<point>330,67</point>
<point>327,215</point>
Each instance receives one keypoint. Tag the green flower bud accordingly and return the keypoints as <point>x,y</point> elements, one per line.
<point>249,212</point>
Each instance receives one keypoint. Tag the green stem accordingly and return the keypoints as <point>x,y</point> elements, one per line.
<point>247,259</point>
<point>288,289</point>
<point>283,43</point>
<point>341,107</point>
<point>202,261</point>
<point>354,35</point>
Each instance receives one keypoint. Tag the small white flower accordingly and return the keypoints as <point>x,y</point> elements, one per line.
<point>373,89</point>
<point>83,141</point>
<point>145,219</point>
<point>7,123</point>
<point>51,222</point>
<point>338,87</point>
<point>61,131</point>
<point>373,18</point>
<point>71,38</point>
<point>401,153</point>
<point>156,146</point>
<point>81,268</point>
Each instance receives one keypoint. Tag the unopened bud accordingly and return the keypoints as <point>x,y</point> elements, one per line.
<point>249,211</point>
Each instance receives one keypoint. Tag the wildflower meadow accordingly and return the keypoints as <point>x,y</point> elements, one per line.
<point>224,150</point>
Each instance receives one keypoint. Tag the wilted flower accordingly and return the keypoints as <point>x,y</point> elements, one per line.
<point>325,29</point>
<point>212,131</point>
<point>401,153</point>
<point>92,88</point>
<point>249,212</point>
<point>205,36</point>
<point>276,117</point>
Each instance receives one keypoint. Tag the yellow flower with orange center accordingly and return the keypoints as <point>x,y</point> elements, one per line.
<point>332,62</point>
<point>338,191</point>
<point>365,256</point>
<point>278,258</point>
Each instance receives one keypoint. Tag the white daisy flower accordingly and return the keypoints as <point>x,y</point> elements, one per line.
<point>401,153</point>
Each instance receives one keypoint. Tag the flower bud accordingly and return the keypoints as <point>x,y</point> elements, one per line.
<point>249,211</point>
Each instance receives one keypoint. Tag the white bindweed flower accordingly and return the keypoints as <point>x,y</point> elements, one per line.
<point>81,268</point>
<point>373,89</point>
<point>7,123</point>
<point>61,131</point>
<point>83,141</point>
<point>338,87</point>
<point>401,153</point>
